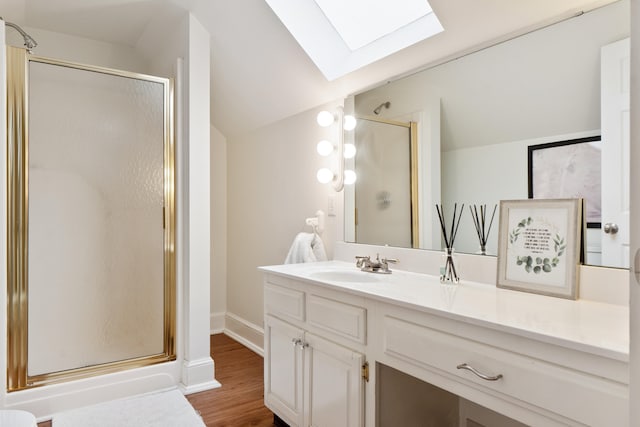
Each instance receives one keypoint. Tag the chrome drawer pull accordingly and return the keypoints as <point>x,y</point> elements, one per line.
<point>478,373</point>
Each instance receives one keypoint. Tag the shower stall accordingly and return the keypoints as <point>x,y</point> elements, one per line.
<point>91,221</point>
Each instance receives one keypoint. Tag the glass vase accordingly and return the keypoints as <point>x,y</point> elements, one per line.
<point>448,273</point>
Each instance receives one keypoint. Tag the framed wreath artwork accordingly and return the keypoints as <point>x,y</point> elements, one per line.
<point>539,246</point>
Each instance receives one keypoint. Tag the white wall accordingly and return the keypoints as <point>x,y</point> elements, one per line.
<point>82,50</point>
<point>218,230</point>
<point>272,188</point>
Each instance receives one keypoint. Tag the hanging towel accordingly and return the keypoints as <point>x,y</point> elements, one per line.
<point>306,247</point>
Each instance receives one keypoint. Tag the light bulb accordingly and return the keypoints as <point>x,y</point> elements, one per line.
<point>324,175</point>
<point>324,147</point>
<point>325,118</point>
<point>349,123</point>
<point>349,177</point>
<point>349,151</point>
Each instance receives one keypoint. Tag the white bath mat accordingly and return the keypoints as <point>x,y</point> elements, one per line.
<point>166,409</point>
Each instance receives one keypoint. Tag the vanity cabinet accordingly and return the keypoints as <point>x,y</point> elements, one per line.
<point>313,358</point>
<point>538,383</point>
<point>538,360</point>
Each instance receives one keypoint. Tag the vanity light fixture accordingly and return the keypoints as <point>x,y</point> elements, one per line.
<point>325,148</point>
<point>325,119</point>
<point>324,175</point>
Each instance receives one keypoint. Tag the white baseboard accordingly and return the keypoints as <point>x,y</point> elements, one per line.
<point>216,323</point>
<point>198,375</point>
<point>197,388</point>
<point>245,332</point>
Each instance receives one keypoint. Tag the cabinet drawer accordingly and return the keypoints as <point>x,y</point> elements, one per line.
<point>284,302</point>
<point>345,320</point>
<point>588,399</point>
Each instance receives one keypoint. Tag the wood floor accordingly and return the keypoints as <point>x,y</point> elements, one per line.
<point>240,401</point>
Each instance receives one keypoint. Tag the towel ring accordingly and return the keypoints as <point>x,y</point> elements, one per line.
<point>316,222</point>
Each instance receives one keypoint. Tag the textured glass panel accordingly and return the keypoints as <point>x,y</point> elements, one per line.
<point>383,188</point>
<point>96,290</point>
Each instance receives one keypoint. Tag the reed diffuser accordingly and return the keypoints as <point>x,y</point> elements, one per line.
<point>449,273</point>
<point>479,220</point>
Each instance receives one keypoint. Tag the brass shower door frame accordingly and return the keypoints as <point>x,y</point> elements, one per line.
<point>413,172</point>
<point>18,228</point>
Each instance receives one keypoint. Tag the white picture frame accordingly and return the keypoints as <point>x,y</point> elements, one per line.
<point>539,246</point>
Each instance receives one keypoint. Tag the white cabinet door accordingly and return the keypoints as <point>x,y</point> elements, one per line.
<point>333,384</point>
<point>283,370</point>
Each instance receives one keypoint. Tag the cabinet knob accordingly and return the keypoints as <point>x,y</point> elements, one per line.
<point>478,373</point>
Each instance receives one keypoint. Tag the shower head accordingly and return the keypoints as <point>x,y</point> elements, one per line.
<point>386,104</point>
<point>29,42</point>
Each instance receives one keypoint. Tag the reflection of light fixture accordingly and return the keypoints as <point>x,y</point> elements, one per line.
<point>349,151</point>
<point>325,148</point>
<point>349,122</point>
<point>349,177</point>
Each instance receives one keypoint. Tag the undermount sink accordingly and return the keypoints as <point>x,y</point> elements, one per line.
<point>344,276</point>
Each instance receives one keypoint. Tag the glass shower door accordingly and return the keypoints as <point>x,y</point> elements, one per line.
<point>386,192</point>
<point>97,195</point>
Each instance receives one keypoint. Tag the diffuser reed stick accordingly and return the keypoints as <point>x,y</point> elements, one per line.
<point>449,273</point>
<point>480,222</point>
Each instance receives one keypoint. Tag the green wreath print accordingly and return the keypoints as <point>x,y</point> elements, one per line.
<point>538,264</point>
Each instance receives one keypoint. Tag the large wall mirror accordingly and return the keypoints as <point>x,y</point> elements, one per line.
<point>476,118</point>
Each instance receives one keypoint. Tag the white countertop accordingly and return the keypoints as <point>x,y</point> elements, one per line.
<point>588,326</point>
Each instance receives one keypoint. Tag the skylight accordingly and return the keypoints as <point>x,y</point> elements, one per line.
<point>341,36</point>
<point>360,22</point>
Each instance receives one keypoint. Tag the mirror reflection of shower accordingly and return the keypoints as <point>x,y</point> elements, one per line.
<point>29,42</point>
<point>385,194</point>
<point>385,104</point>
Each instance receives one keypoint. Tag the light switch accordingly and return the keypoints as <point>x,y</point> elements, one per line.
<point>331,205</point>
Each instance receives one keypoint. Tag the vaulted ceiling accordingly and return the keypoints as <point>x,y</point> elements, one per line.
<point>259,73</point>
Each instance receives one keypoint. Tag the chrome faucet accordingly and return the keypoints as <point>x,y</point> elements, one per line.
<point>381,266</point>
